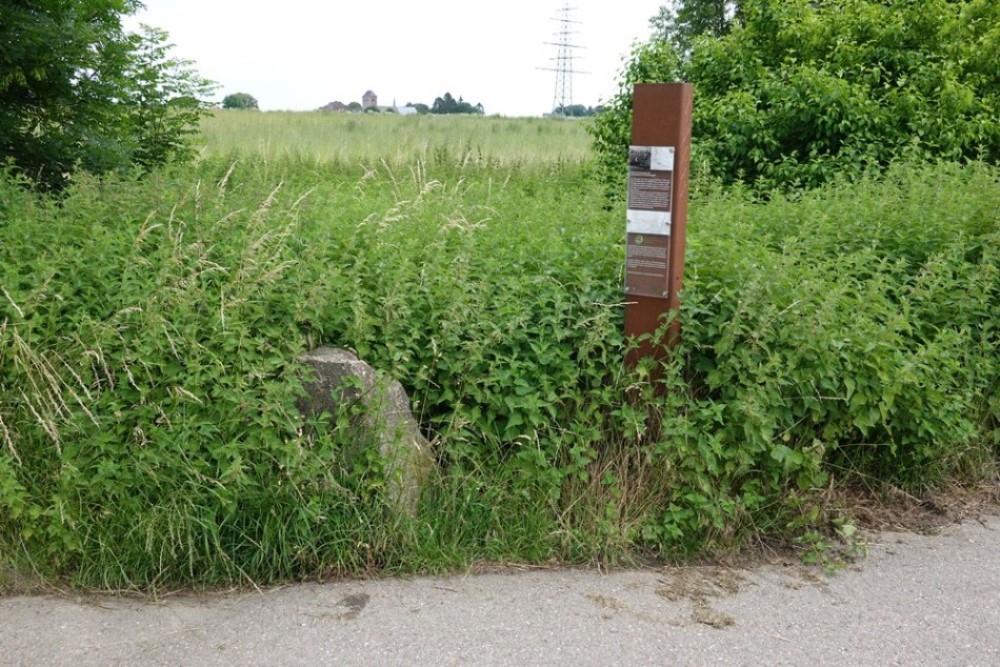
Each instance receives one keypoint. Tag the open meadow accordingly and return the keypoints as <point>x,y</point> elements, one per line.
<point>397,140</point>
<point>149,332</point>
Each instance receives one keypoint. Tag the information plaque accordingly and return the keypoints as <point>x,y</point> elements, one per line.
<point>650,189</point>
<point>647,264</point>
<point>648,220</point>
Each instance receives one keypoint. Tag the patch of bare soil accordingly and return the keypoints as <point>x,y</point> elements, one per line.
<point>698,585</point>
<point>893,509</point>
<point>606,602</point>
<point>706,615</point>
<point>13,582</point>
<point>353,604</point>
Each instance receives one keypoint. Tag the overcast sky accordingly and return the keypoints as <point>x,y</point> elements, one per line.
<point>302,54</point>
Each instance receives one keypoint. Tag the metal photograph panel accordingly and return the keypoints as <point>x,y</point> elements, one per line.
<point>650,189</point>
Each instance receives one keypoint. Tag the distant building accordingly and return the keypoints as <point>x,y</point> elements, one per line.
<point>369,102</point>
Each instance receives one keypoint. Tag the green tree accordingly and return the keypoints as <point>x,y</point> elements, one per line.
<point>444,104</point>
<point>576,111</point>
<point>240,101</point>
<point>680,23</point>
<point>448,105</point>
<point>161,101</point>
<point>77,91</point>
<point>801,90</point>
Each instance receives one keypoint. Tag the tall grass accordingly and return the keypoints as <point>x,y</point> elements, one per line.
<point>397,140</point>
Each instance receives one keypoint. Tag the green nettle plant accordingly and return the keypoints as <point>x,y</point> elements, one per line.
<point>148,377</point>
<point>798,91</point>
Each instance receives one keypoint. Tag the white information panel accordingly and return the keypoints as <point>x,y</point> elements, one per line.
<point>650,189</point>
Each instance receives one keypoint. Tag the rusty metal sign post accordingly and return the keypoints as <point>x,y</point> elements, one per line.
<point>659,159</point>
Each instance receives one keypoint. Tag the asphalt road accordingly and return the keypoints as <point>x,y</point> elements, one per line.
<point>915,600</point>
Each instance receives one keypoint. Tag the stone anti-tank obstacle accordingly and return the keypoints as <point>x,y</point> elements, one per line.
<point>340,378</point>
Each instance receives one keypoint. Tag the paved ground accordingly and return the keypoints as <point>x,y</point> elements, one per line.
<point>916,600</point>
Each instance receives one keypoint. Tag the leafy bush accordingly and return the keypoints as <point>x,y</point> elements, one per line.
<point>830,335</point>
<point>800,91</point>
<point>149,331</point>
<point>159,439</point>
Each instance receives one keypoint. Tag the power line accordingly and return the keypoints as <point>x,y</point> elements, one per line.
<point>564,70</point>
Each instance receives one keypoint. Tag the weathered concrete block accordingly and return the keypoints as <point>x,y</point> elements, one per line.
<point>340,376</point>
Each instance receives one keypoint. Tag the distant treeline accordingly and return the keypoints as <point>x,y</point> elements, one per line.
<point>446,104</point>
<point>577,110</point>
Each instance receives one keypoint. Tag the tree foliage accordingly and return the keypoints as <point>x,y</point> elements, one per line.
<point>240,101</point>
<point>449,105</point>
<point>800,90</point>
<point>680,24</point>
<point>576,110</point>
<point>77,91</point>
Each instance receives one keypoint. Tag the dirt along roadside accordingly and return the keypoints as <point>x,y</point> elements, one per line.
<point>914,600</point>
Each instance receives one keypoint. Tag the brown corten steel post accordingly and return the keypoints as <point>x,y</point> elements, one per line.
<point>662,117</point>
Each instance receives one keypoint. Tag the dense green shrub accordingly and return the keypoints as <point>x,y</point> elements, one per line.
<point>149,331</point>
<point>833,335</point>
<point>800,91</point>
